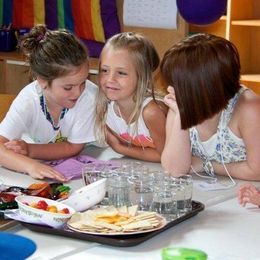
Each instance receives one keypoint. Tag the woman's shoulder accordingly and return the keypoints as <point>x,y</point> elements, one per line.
<point>249,104</point>
<point>249,99</point>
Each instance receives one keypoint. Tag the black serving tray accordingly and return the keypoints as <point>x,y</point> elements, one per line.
<point>119,240</point>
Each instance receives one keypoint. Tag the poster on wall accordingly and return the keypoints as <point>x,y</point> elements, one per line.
<point>150,13</point>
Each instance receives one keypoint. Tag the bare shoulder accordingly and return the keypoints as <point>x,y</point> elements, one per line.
<point>248,107</point>
<point>154,109</point>
<point>249,102</point>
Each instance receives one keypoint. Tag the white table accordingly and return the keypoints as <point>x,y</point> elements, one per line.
<point>223,227</point>
<point>224,231</point>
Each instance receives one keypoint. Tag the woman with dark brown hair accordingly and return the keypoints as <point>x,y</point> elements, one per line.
<point>213,124</point>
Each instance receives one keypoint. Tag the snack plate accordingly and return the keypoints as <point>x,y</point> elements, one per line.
<point>161,219</point>
<point>124,240</point>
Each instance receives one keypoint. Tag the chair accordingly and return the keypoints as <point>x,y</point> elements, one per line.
<point>5,102</point>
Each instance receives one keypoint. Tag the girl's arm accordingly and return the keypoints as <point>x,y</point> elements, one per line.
<point>176,155</point>
<point>21,163</point>
<point>154,118</point>
<point>54,151</point>
<point>146,154</point>
<point>51,151</point>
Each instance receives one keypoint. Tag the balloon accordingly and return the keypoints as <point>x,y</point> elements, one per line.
<point>201,12</point>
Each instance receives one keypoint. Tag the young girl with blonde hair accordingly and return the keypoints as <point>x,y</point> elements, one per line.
<point>129,116</point>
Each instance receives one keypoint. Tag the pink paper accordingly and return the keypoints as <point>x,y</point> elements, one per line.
<point>71,168</point>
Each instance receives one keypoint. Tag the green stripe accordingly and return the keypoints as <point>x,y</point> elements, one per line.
<point>61,20</point>
<point>1,12</point>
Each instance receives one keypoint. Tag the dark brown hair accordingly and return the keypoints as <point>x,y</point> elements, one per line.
<point>52,54</point>
<point>205,72</point>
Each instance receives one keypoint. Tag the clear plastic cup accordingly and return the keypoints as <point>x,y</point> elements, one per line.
<point>141,192</point>
<point>177,185</point>
<point>118,191</point>
<point>164,200</point>
<point>188,184</point>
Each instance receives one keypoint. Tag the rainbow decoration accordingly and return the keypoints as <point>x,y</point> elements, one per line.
<point>83,17</point>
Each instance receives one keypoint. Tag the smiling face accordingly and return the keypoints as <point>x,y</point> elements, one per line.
<point>65,91</point>
<point>118,77</point>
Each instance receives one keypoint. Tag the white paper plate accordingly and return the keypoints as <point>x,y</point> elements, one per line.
<point>161,219</point>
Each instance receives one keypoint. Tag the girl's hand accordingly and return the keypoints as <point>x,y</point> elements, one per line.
<point>111,139</point>
<point>114,141</point>
<point>170,100</point>
<point>41,171</point>
<point>248,193</point>
<point>18,146</point>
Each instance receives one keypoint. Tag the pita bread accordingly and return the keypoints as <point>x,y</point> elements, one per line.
<point>112,220</point>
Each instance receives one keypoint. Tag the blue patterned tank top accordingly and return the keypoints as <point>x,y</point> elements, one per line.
<point>228,147</point>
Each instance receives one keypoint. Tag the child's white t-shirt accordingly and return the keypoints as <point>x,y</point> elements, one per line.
<point>25,116</point>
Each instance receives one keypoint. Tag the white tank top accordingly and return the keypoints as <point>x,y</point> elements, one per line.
<point>136,133</point>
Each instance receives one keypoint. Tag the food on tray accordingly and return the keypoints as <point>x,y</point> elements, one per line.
<point>113,220</point>
<point>37,215</point>
<point>52,191</point>
<point>43,205</point>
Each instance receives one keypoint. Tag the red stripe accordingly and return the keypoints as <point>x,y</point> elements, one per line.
<point>17,14</point>
<point>23,13</point>
<point>81,10</point>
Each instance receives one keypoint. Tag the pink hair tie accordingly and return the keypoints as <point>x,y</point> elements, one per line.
<point>40,37</point>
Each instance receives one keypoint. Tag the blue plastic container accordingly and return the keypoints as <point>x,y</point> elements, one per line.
<point>8,40</point>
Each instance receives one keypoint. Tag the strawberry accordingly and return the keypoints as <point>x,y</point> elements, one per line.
<point>41,204</point>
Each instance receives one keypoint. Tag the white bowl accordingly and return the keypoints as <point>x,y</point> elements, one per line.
<point>87,196</point>
<point>34,215</point>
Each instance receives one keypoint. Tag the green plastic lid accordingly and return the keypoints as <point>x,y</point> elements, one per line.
<point>181,253</point>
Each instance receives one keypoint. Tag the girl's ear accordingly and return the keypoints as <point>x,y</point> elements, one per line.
<point>43,83</point>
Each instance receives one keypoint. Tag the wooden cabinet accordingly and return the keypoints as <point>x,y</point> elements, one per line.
<point>241,25</point>
<point>14,72</point>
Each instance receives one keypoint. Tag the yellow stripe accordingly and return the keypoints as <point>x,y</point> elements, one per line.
<point>39,11</point>
<point>97,24</point>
